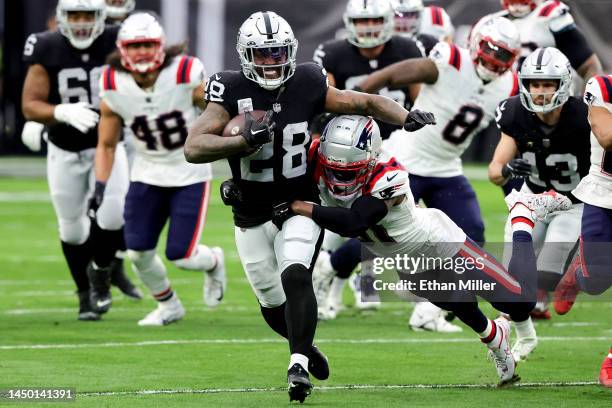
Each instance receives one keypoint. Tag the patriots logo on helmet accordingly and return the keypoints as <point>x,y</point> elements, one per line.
<point>589,98</point>
<point>365,139</point>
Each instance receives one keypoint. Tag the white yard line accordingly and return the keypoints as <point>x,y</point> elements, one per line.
<point>275,340</point>
<point>333,388</point>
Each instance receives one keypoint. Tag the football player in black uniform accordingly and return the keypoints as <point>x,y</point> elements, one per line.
<point>268,163</point>
<point>549,131</point>
<point>370,45</point>
<point>61,91</point>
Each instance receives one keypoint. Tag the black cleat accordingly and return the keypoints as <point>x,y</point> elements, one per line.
<point>318,365</point>
<point>121,280</point>
<point>299,383</point>
<point>86,313</point>
<point>100,295</point>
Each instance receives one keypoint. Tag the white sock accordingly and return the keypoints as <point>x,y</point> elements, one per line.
<point>203,259</point>
<point>491,335</point>
<point>151,271</point>
<point>525,330</point>
<point>336,289</point>
<point>300,359</point>
<point>522,219</point>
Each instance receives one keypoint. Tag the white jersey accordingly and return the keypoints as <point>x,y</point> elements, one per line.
<point>463,106</point>
<point>436,22</point>
<point>596,187</point>
<point>159,119</point>
<point>415,230</point>
<point>537,27</point>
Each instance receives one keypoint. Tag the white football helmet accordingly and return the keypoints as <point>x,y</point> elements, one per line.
<point>118,9</point>
<point>141,28</point>
<point>266,35</point>
<point>520,8</point>
<point>494,46</point>
<point>545,63</point>
<point>350,145</point>
<point>81,35</point>
<point>368,36</point>
<point>408,15</point>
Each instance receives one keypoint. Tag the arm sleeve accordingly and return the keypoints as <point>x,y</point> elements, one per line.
<point>572,43</point>
<point>503,117</point>
<point>219,90</point>
<point>365,212</point>
<point>33,50</point>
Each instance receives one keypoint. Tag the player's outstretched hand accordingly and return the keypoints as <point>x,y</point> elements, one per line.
<point>96,199</point>
<point>417,119</point>
<point>282,212</point>
<point>260,132</point>
<point>230,193</point>
<point>516,168</point>
<point>78,115</point>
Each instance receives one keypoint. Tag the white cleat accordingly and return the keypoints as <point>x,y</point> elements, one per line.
<point>166,312</point>
<point>523,347</point>
<point>429,317</point>
<point>540,204</point>
<point>499,351</point>
<point>322,276</point>
<point>364,300</point>
<point>215,281</point>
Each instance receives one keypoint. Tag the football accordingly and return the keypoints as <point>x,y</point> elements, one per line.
<point>235,126</point>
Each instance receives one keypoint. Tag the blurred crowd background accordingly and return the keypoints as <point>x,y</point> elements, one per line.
<point>209,27</point>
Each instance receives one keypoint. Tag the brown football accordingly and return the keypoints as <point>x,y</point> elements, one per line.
<point>235,126</point>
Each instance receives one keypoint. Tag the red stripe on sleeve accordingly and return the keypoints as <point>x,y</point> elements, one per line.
<point>603,88</point>
<point>188,73</point>
<point>112,79</point>
<point>515,84</point>
<point>105,84</point>
<point>545,12</point>
<point>180,69</point>
<point>436,14</point>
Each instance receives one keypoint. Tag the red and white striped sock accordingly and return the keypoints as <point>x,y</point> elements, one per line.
<point>491,334</point>
<point>521,218</point>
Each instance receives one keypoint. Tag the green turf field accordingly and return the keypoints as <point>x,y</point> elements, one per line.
<point>228,356</point>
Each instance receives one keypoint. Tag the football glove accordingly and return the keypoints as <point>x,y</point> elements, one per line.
<point>32,135</point>
<point>78,115</point>
<point>96,199</point>
<point>230,193</point>
<point>516,168</point>
<point>281,213</point>
<point>257,133</point>
<point>417,119</point>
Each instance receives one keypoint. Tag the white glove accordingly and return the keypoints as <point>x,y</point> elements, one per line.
<point>31,135</point>
<point>78,115</point>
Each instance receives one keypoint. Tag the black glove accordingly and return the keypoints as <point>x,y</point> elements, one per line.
<point>230,193</point>
<point>417,119</point>
<point>259,132</point>
<point>281,213</point>
<point>516,168</point>
<point>96,199</point>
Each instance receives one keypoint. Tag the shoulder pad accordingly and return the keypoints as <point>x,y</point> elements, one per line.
<point>219,84</point>
<point>446,55</point>
<point>108,79</point>
<point>598,91</point>
<point>558,15</point>
<point>190,71</point>
<point>504,114</point>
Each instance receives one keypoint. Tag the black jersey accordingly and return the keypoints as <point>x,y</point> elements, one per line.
<point>277,172</point>
<point>74,76</point>
<point>426,42</point>
<point>343,60</point>
<point>560,154</point>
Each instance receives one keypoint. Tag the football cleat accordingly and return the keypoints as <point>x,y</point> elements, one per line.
<point>428,317</point>
<point>86,313</point>
<point>605,373</point>
<point>322,276</point>
<point>215,281</point>
<point>167,312</point>
<point>299,383</point>
<point>540,204</point>
<point>100,281</point>
<point>329,311</point>
<point>121,280</point>
<point>318,364</point>
<point>499,351</point>
<point>567,289</point>
<point>366,297</point>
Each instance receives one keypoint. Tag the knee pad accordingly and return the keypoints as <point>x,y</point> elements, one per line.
<point>265,282</point>
<point>74,231</point>
<point>110,214</point>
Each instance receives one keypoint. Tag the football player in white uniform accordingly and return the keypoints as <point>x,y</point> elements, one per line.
<point>365,193</point>
<point>119,10</point>
<point>155,91</point>
<point>464,87</point>
<point>549,23</point>
<point>414,20</point>
<point>549,131</point>
<point>61,91</point>
<point>590,271</point>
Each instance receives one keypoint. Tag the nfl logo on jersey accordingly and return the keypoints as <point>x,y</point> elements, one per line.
<point>276,107</point>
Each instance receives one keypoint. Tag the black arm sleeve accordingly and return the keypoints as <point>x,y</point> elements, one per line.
<point>365,212</point>
<point>573,44</point>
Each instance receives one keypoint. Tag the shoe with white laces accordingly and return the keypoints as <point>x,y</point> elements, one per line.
<point>429,317</point>
<point>166,312</point>
<point>500,353</point>
<point>322,276</point>
<point>215,281</point>
<point>366,297</point>
<point>540,204</point>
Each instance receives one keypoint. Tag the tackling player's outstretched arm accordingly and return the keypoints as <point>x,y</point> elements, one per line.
<point>401,75</point>
<point>36,94</point>
<point>109,130</point>
<point>601,125</point>
<point>204,143</point>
